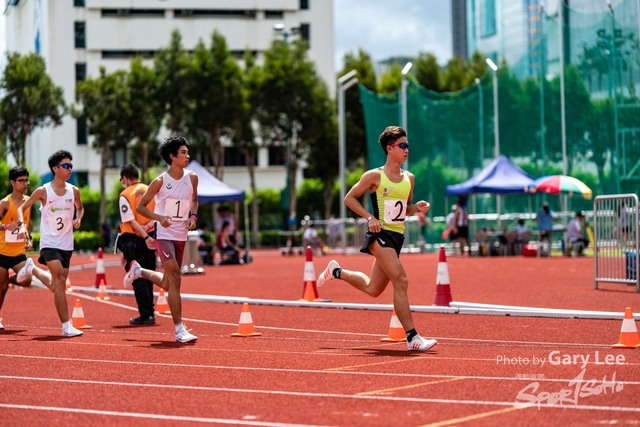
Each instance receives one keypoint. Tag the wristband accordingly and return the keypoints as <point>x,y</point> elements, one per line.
<point>369,218</point>
<point>146,237</point>
<point>194,216</point>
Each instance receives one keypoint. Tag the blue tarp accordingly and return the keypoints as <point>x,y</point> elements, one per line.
<point>499,177</point>
<point>211,189</point>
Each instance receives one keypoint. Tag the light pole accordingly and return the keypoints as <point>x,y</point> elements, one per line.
<point>542,82</point>
<point>614,58</point>
<point>403,92</point>
<point>344,83</point>
<point>496,123</point>
<point>480,120</point>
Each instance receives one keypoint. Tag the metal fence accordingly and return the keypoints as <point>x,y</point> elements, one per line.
<point>615,228</point>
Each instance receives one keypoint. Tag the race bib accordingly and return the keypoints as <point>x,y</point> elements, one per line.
<point>395,211</point>
<point>59,225</point>
<point>177,209</point>
<point>12,236</point>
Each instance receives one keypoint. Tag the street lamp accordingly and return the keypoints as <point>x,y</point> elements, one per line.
<point>344,83</point>
<point>480,120</point>
<point>403,90</point>
<point>496,121</point>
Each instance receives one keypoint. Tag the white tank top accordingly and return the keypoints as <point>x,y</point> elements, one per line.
<point>56,224</point>
<point>174,199</point>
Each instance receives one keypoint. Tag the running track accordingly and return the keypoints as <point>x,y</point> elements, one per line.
<point>321,366</point>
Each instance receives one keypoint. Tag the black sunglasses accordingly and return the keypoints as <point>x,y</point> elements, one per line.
<point>402,145</point>
<point>66,166</point>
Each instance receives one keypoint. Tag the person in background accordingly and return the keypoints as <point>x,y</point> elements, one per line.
<point>461,227</point>
<point>227,246</point>
<point>450,223</point>
<point>575,234</point>
<point>310,238</point>
<point>520,228</point>
<point>225,215</point>
<point>545,224</point>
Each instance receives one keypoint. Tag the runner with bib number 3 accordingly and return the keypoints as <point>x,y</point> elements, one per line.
<point>391,192</point>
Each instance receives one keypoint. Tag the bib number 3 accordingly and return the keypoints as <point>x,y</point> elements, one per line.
<point>59,225</point>
<point>394,211</point>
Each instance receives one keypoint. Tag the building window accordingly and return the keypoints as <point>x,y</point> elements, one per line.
<point>273,14</point>
<point>120,54</point>
<point>80,34</point>
<point>81,131</point>
<point>276,156</point>
<point>488,25</point>
<point>81,71</point>
<point>305,32</point>
<point>304,4</point>
<point>220,13</point>
<point>82,178</point>
<point>78,3</point>
<point>137,13</point>
<point>234,157</point>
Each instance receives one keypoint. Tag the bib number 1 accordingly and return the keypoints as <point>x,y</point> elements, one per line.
<point>177,209</point>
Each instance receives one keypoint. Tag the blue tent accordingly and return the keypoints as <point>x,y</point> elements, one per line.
<point>499,177</point>
<point>211,189</point>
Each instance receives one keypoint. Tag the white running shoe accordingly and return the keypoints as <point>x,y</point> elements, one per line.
<point>327,274</point>
<point>71,332</point>
<point>184,336</point>
<point>1,325</point>
<point>26,271</point>
<point>135,272</point>
<point>420,344</point>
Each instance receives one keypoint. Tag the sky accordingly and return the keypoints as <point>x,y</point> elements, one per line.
<point>382,28</point>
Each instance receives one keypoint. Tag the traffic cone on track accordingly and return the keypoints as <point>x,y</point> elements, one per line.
<point>102,292</point>
<point>310,289</point>
<point>443,290</point>
<point>77,317</point>
<point>396,331</point>
<point>629,333</point>
<point>162,306</point>
<point>100,269</point>
<point>245,326</point>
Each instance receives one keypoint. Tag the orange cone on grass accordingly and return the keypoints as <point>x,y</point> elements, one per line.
<point>162,306</point>
<point>396,331</point>
<point>100,269</point>
<point>628,333</point>
<point>102,292</point>
<point>310,289</point>
<point>77,317</point>
<point>245,326</point>
<point>443,290</point>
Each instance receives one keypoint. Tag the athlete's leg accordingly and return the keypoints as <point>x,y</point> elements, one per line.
<point>154,276</point>
<point>372,285</point>
<point>171,283</point>
<point>4,284</point>
<point>58,283</point>
<point>14,279</point>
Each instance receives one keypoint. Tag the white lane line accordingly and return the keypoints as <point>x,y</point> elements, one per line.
<point>333,395</point>
<point>155,416</point>
<point>286,370</point>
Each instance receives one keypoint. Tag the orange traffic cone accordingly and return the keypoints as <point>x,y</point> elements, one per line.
<point>102,292</point>
<point>443,291</point>
<point>629,333</point>
<point>100,269</point>
<point>310,289</point>
<point>92,259</point>
<point>396,331</point>
<point>245,327</point>
<point>68,287</point>
<point>77,318</point>
<point>162,306</point>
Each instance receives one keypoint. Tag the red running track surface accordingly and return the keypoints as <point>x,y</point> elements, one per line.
<point>319,366</point>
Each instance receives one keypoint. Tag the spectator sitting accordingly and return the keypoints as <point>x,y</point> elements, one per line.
<point>310,238</point>
<point>520,228</point>
<point>228,249</point>
<point>575,235</point>
<point>204,244</point>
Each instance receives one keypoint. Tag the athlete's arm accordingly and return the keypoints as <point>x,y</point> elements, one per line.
<point>151,192</point>
<point>79,207</point>
<point>4,207</point>
<point>191,223</point>
<point>421,206</point>
<point>370,181</point>
<point>39,194</point>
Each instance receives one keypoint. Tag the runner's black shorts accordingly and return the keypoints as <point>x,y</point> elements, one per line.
<point>51,254</point>
<point>8,262</point>
<point>385,238</point>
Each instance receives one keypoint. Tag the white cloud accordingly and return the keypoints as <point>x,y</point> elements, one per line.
<point>385,28</point>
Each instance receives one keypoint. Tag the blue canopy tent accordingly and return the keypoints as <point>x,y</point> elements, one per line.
<point>499,177</point>
<point>212,190</point>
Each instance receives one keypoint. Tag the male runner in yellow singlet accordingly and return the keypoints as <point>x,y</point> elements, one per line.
<point>391,191</point>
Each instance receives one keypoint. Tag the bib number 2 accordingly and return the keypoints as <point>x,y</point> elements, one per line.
<point>394,211</point>
<point>12,236</point>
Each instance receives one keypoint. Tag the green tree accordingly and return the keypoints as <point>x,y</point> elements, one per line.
<point>30,100</point>
<point>144,91</point>
<point>427,72</point>
<point>172,67</point>
<point>216,82</point>
<point>105,102</point>
<point>391,80</point>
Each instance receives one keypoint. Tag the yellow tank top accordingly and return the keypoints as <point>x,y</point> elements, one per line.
<point>9,243</point>
<point>389,202</point>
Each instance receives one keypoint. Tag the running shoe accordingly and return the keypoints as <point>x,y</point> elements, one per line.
<point>1,325</point>
<point>420,344</point>
<point>26,271</point>
<point>71,332</point>
<point>135,272</point>
<point>327,274</point>
<point>184,336</point>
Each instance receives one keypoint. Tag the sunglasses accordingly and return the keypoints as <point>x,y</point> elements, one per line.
<point>22,181</point>
<point>66,166</point>
<point>402,145</point>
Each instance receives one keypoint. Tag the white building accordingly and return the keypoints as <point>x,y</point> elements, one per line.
<point>76,37</point>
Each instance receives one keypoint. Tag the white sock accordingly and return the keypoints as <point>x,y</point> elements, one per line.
<point>179,327</point>
<point>66,325</point>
